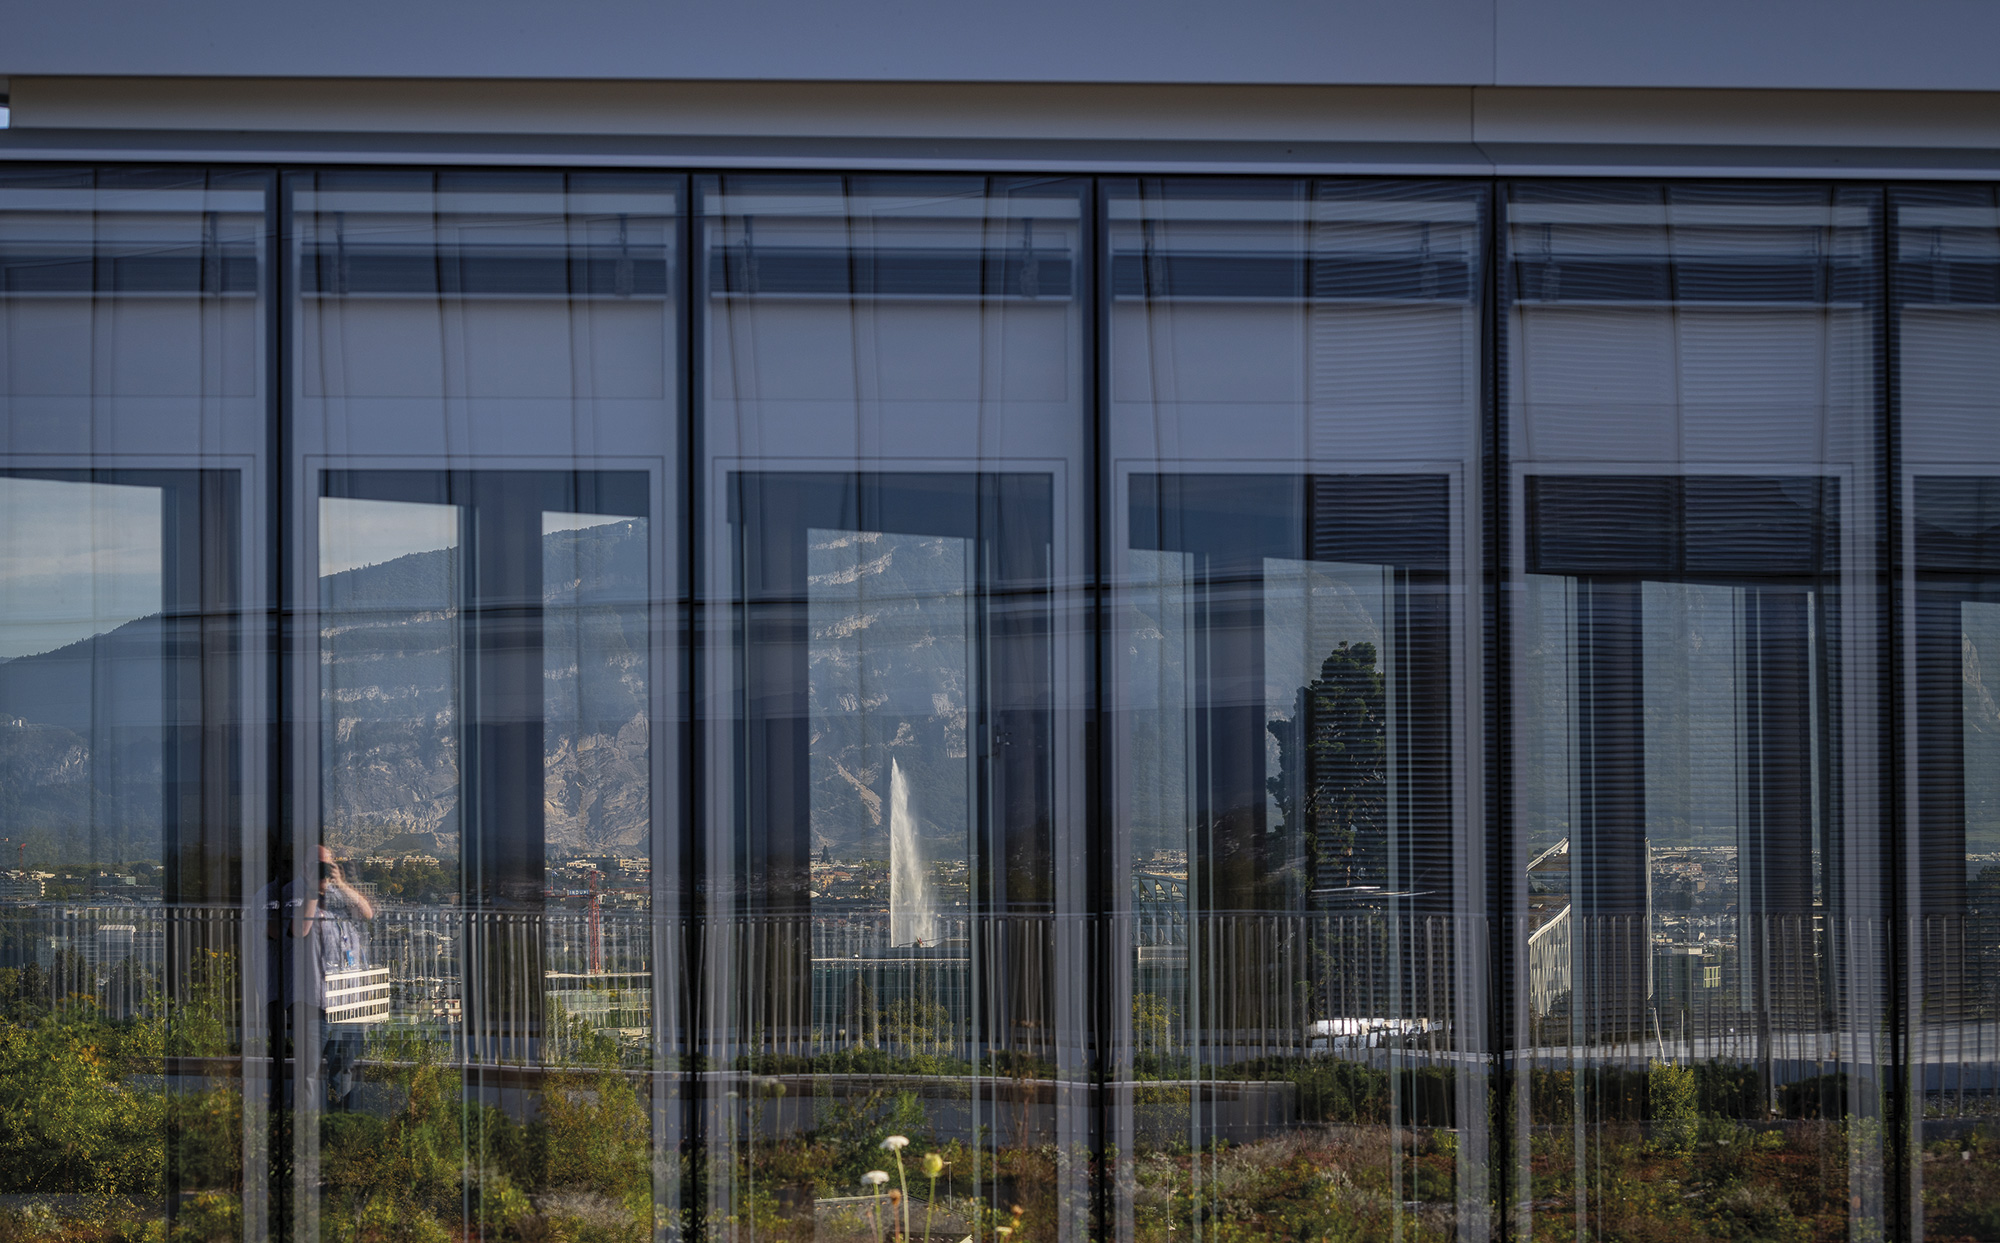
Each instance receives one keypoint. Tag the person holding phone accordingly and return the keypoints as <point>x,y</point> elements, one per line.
<point>330,917</point>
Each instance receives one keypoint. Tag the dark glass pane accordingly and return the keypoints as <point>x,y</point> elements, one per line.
<point>132,733</point>
<point>483,931</point>
<point>895,678</point>
<point>1945,246</point>
<point>1698,987</point>
<point>1298,940</point>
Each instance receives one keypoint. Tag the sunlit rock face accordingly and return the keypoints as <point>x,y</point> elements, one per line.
<point>391,662</point>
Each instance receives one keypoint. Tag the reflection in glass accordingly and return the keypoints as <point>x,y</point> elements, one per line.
<point>893,871</point>
<point>890,619</point>
<point>1699,1003</point>
<point>596,787</point>
<point>132,417</point>
<point>481,893</point>
<point>116,956</point>
<point>389,596</point>
<point>484,420</point>
<point>1956,854</point>
<point>1486,819</point>
<point>389,665</point>
<point>894,690</point>
<point>1295,1033</point>
<point>1295,947</point>
<point>1945,251</point>
<point>82,593</point>
<point>1684,935</point>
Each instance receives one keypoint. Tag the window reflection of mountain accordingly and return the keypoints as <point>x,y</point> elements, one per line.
<point>390,681</point>
<point>82,734</point>
<point>889,684</point>
<point>1333,781</point>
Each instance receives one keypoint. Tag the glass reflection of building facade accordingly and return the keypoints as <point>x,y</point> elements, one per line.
<point>570,704</point>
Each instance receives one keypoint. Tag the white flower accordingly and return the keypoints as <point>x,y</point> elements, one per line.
<point>875,1178</point>
<point>896,1143</point>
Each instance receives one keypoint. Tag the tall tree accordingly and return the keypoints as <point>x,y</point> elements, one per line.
<point>1332,784</point>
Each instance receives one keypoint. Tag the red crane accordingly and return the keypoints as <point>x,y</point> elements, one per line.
<point>596,928</point>
<point>596,916</point>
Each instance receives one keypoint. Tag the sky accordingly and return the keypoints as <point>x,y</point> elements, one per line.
<point>78,559</point>
<point>357,533</point>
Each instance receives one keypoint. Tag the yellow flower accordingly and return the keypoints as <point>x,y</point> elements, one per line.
<point>933,1165</point>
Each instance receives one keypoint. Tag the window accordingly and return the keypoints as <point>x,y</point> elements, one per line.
<point>1299,933</point>
<point>897,672</point>
<point>134,740</point>
<point>1696,841</point>
<point>1945,246</point>
<point>482,894</point>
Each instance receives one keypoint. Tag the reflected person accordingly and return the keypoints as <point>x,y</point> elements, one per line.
<point>330,919</point>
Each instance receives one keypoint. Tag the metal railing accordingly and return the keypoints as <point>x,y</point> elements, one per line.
<point>1793,997</point>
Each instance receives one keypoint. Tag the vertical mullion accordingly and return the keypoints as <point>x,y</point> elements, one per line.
<point>1506,924</point>
<point>1109,961</point>
<point>1904,1179</point>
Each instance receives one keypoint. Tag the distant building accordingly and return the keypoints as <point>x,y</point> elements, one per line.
<point>22,886</point>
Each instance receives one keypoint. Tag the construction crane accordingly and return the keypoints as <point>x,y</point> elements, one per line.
<point>596,912</point>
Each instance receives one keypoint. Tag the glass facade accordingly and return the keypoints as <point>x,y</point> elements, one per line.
<point>1298,917</point>
<point>893,683</point>
<point>1698,654</point>
<point>571,705</point>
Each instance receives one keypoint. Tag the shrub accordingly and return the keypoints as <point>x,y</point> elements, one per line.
<point>1673,1101</point>
<point>1758,1214</point>
<point>69,1122</point>
<point>211,1217</point>
<point>586,1217</point>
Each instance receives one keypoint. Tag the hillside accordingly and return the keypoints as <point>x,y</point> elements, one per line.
<point>81,735</point>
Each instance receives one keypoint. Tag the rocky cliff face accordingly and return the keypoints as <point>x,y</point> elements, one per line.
<point>892,624</point>
<point>82,735</point>
<point>390,685</point>
<point>82,747</point>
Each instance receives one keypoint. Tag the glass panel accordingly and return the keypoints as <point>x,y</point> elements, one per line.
<point>1946,284</point>
<point>82,605</point>
<point>453,996</point>
<point>1296,957</point>
<point>1298,895</point>
<point>486,420</point>
<point>1955,854</point>
<point>482,656</point>
<point>389,689</point>
<point>890,653</point>
<point>389,665</point>
<point>1701,1008</point>
<point>896,682</point>
<point>894,873</point>
<point>131,747</point>
<point>597,744</point>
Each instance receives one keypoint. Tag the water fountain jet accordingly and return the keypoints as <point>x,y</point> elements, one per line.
<point>912,906</point>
